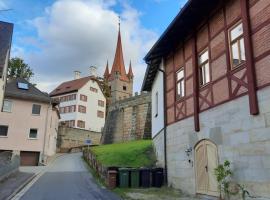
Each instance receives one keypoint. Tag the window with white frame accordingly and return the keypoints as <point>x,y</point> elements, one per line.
<point>237,47</point>
<point>156,104</point>
<point>204,68</point>
<point>33,133</point>
<point>3,130</point>
<point>7,106</point>
<point>180,83</point>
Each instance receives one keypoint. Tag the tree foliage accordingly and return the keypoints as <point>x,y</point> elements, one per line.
<point>17,68</point>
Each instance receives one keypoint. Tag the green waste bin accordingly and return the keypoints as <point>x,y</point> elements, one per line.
<point>123,177</point>
<point>134,178</point>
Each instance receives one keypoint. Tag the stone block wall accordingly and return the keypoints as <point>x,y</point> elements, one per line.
<point>129,119</point>
<point>69,138</point>
<point>241,138</point>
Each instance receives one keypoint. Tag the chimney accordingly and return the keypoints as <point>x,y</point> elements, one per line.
<point>77,75</point>
<point>93,71</point>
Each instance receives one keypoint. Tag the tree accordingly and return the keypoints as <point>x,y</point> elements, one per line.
<point>17,68</point>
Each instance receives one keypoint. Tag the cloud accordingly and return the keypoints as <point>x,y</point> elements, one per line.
<point>75,34</point>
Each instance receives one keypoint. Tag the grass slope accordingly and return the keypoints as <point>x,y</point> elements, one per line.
<point>130,154</point>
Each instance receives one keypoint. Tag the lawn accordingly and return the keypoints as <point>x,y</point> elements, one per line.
<point>130,154</point>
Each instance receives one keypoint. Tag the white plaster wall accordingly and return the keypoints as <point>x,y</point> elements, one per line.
<point>92,121</point>
<point>69,116</point>
<point>157,121</point>
<point>52,130</point>
<point>240,137</point>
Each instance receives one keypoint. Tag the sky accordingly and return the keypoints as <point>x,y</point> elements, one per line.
<point>57,37</point>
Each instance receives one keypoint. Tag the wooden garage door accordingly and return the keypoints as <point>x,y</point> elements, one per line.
<point>29,158</point>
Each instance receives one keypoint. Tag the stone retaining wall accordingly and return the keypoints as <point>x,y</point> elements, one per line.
<point>128,119</point>
<point>69,138</point>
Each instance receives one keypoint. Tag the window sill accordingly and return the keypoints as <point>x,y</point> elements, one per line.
<point>178,99</point>
<point>205,85</point>
<point>3,136</point>
<point>32,139</point>
<point>237,67</point>
<point>6,111</point>
<point>35,114</point>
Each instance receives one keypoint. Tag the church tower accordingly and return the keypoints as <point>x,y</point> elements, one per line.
<point>120,82</point>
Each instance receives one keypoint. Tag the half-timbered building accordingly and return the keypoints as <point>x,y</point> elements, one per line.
<point>216,60</point>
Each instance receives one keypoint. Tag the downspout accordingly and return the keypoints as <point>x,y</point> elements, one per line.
<point>164,124</point>
<point>45,134</point>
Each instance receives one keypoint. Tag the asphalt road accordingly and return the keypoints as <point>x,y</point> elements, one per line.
<point>67,179</point>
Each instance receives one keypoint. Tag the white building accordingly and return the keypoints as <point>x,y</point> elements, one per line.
<point>158,114</point>
<point>82,103</point>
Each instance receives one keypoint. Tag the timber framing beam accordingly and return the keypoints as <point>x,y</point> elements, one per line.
<point>251,73</point>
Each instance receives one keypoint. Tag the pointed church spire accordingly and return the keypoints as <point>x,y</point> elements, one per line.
<point>107,73</point>
<point>118,63</point>
<point>130,72</point>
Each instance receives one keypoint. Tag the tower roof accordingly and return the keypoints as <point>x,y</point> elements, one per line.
<point>130,72</point>
<point>107,73</point>
<point>118,63</point>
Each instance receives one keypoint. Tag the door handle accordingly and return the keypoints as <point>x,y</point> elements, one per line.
<point>206,168</point>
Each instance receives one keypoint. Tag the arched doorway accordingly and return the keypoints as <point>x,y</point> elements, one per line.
<point>206,160</point>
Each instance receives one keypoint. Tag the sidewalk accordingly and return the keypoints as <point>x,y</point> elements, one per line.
<point>17,181</point>
<point>13,183</point>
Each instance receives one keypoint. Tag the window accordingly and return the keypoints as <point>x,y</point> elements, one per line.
<point>204,69</point>
<point>36,109</point>
<point>62,110</point>
<point>23,86</point>
<point>93,89</point>
<point>82,109</point>
<point>180,83</point>
<point>3,131</point>
<point>70,123</point>
<point>81,124</point>
<point>72,109</point>
<point>33,133</point>
<point>124,88</point>
<point>156,104</point>
<point>83,97</point>
<point>237,45</point>
<point>100,103</point>
<point>100,114</point>
<point>7,106</point>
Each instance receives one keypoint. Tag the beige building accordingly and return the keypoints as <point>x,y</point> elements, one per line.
<point>6,30</point>
<point>29,122</point>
